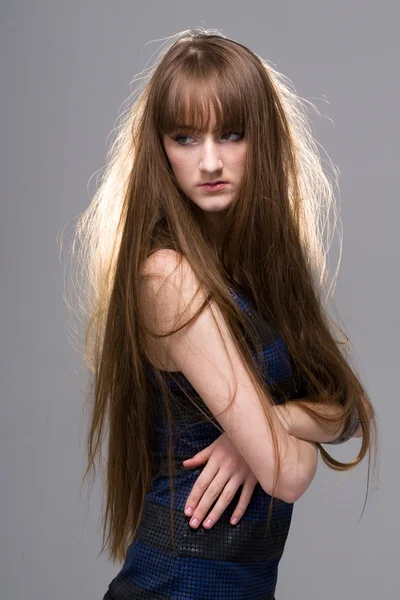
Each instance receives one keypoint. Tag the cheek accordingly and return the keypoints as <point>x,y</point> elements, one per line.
<point>238,159</point>
<point>175,158</point>
<point>181,165</point>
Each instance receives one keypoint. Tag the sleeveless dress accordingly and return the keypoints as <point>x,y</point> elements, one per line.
<point>226,562</point>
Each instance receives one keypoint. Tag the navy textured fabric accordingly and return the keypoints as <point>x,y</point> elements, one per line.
<point>226,562</point>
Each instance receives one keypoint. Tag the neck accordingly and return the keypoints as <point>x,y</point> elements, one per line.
<point>211,223</point>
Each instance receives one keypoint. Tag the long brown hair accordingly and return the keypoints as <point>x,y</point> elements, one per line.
<point>272,244</point>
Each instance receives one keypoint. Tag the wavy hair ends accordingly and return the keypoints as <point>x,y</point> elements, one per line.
<point>272,245</point>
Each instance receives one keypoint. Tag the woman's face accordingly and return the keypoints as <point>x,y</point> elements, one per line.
<point>201,158</point>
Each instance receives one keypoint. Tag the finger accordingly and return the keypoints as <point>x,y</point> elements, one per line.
<point>201,456</point>
<point>202,483</point>
<point>213,491</point>
<point>225,498</point>
<point>195,460</point>
<point>244,500</point>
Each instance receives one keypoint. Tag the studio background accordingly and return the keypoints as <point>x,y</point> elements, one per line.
<point>65,72</point>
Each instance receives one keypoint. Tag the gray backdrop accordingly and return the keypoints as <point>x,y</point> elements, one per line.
<point>65,71</point>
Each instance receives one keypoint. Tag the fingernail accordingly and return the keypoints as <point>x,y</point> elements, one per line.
<point>188,511</point>
<point>208,523</point>
<point>234,520</point>
<point>194,522</point>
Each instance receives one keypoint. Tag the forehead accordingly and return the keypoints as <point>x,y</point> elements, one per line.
<point>203,125</point>
<point>198,117</point>
<point>199,108</point>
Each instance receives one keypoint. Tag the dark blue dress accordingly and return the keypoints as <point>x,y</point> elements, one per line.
<point>226,562</point>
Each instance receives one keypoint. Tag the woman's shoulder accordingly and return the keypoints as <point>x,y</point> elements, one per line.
<point>168,289</point>
<point>161,261</point>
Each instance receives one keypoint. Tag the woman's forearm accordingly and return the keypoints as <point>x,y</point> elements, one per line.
<point>302,426</point>
<point>305,467</point>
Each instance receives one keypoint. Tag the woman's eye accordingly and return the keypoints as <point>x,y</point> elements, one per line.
<point>240,135</point>
<point>181,137</point>
<point>178,139</point>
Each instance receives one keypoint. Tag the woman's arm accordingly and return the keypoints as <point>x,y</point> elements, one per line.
<point>302,426</point>
<point>308,459</point>
<point>205,352</point>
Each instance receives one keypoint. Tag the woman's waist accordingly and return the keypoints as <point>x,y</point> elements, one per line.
<point>250,540</point>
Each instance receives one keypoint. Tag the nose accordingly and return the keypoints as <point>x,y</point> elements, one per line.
<point>210,159</point>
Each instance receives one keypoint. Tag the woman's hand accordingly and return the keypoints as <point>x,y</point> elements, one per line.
<point>225,471</point>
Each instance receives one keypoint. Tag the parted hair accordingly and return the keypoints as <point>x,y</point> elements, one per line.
<point>272,244</point>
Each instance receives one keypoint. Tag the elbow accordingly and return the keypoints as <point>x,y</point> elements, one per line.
<point>283,491</point>
<point>288,491</point>
<point>291,494</point>
<point>284,495</point>
<point>296,488</point>
<point>294,493</point>
<point>297,478</point>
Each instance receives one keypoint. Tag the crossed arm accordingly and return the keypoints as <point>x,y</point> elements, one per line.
<point>299,424</point>
<point>167,290</point>
<point>226,469</point>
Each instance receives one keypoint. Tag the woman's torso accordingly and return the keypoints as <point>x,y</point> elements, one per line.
<point>227,561</point>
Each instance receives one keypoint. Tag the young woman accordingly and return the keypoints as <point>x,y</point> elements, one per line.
<point>217,370</point>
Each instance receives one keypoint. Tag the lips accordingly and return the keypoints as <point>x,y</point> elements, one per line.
<point>213,182</point>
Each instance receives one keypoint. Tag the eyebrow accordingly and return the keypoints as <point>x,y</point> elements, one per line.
<point>185,127</point>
